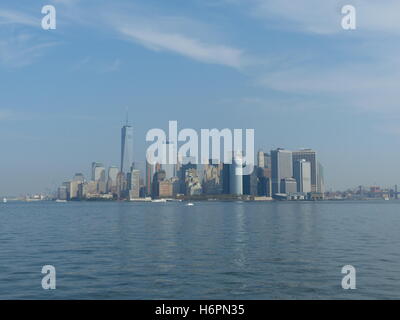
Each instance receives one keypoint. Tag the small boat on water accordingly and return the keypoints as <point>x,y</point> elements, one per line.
<point>159,200</point>
<point>190,204</point>
<point>4,200</point>
<point>61,201</point>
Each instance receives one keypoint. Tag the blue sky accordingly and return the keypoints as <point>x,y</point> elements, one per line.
<point>285,68</point>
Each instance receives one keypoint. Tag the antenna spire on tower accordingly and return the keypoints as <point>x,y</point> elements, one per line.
<point>127,116</point>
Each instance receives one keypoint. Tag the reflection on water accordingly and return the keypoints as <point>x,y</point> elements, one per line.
<point>208,251</point>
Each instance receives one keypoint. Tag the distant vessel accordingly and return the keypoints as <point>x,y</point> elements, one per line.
<point>4,200</point>
<point>159,200</point>
<point>62,201</point>
<point>190,204</point>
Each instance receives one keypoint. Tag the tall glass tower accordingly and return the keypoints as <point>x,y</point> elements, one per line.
<point>126,147</point>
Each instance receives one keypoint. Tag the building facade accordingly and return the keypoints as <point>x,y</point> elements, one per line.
<point>281,168</point>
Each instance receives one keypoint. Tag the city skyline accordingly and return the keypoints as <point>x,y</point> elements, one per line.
<point>279,175</point>
<point>101,172</point>
<point>295,76</point>
<point>181,173</point>
<point>145,171</point>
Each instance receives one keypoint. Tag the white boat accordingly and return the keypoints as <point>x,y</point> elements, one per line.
<point>190,204</point>
<point>61,201</point>
<point>159,200</point>
<point>4,200</point>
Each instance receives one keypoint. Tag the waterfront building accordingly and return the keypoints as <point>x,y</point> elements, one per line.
<point>62,193</point>
<point>134,191</point>
<point>212,178</point>
<point>192,182</point>
<point>236,174</point>
<point>310,156</point>
<point>169,159</point>
<point>226,169</point>
<point>264,186</point>
<point>157,178</point>
<point>250,183</point>
<point>281,168</point>
<point>150,170</point>
<point>121,185</point>
<point>165,189</point>
<point>302,174</point>
<point>288,186</point>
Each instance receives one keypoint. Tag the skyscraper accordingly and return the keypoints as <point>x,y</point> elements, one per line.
<point>112,179</point>
<point>302,174</point>
<point>98,172</point>
<point>112,174</point>
<point>281,168</point>
<point>150,170</point>
<point>126,147</point>
<point>310,156</point>
<point>170,159</point>
<point>236,175</point>
<point>134,191</point>
<point>261,159</point>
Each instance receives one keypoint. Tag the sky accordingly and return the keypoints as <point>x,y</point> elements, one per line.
<point>284,68</point>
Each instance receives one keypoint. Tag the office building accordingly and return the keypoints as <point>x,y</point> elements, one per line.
<point>192,181</point>
<point>250,183</point>
<point>79,177</point>
<point>170,159</point>
<point>126,148</point>
<point>288,186</point>
<point>302,174</point>
<point>98,172</point>
<point>260,159</point>
<point>134,191</point>
<point>150,170</point>
<point>310,156</point>
<point>226,171</point>
<point>112,179</point>
<point>281,168</point>
<point>165,189</point>
<point>212,178</point>
<point>62,193</point>
<point>157,178</point>
<point>236,174</point>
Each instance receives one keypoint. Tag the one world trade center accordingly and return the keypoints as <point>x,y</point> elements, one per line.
<point>126,147</point>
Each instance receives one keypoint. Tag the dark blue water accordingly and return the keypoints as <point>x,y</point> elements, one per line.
<point>209,251</point>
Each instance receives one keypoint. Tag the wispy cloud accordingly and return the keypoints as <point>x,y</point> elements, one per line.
<point>18,18</point>
<point>20,44</point>
<point>199,50</point>
<point>21,50</point>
